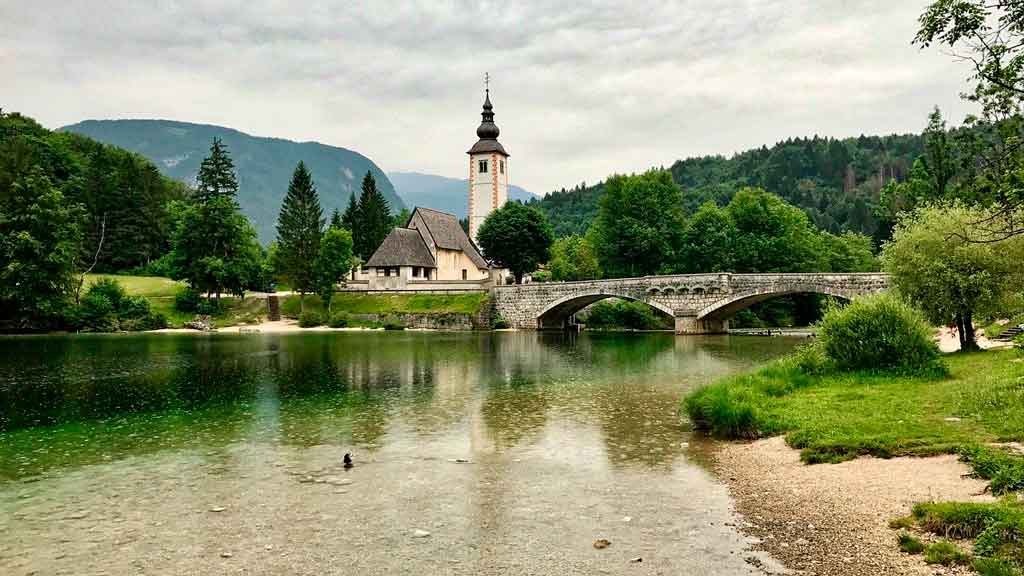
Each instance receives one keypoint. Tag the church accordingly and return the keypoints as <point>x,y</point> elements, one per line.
<point>432,251</point>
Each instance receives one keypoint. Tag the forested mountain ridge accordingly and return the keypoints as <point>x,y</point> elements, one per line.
<point>835,181</point>
<point>264,165</point>
<point>442,193</point>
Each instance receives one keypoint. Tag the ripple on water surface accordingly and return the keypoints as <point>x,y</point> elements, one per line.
<point>512,452</point>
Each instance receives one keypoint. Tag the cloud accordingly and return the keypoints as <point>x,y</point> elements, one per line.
<point>580,90</point>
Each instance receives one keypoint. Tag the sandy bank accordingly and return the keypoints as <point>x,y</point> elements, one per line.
<point>832,519</point>
<point>275,327</point>
<point>949,341</point>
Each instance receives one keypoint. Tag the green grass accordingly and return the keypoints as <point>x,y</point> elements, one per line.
<point>146,286</point>
<point>910,544</point>
<point>946,553</point>
<point>389,304</point>
<point>838,416</point>
<point>997,530</point>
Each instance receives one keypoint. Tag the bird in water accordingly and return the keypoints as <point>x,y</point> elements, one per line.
<point>347,460</point>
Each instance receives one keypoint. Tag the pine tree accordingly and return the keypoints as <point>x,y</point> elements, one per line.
<point>299,227</point>
<point>216,175</point>
<point>336,220</point>
<point>374,219</point>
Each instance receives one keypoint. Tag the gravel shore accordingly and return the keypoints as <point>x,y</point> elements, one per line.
<point>832,519</point>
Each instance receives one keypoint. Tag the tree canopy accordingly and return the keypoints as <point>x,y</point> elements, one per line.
<point>516,237</point>
<point>373,219</point>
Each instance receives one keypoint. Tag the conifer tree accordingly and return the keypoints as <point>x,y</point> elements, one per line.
<point>374,218</point>
<point>336,220</point>
<point>216,175</point>
<point>299,227</point>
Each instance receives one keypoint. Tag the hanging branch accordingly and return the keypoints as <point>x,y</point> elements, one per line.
<point>95,259</point>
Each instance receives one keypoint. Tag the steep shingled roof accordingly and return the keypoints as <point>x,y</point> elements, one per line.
<point>402,247</point>
<point>444,228</point>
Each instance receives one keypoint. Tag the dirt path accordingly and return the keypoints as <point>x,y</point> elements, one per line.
<point>832,519</point>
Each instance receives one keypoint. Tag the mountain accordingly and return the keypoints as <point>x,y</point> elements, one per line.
<point>264,165</point>
<point>835,181</point>
<point>440,193</point>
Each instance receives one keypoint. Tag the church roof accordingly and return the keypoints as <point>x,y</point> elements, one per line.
<point>402,247</point>
<point>444,228</point>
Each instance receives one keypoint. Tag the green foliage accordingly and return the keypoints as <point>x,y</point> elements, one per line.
<point>335,221</point>
<point>573,258</point>
<point>942,262</point>
<point>106,307</point>
<point>832,416</point>
<point>39,241</point>
<point>393,323</point>
<point>1004,471</point>
<point>372,221</point>
<point>516,237</point>
<point>541,276</point>
<point>311,319</point>
<point>772,236</point>
<point>945,553</point>
<point>1018,343</point>
<point>339,320</point>
<point>996,567</point>
<point>299,228</point>
<point>997,530</point>
<point>499,323</point>
<point>879,332</point>
<point>389,304</point>
<point>625,314</point>
<point>909,544</point>
<point>216,178</point>
<point>332,262</point>
<point>637,228</point>
<point>708,241</point>
<point>187,300</point>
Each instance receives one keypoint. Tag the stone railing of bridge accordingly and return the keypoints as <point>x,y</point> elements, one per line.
<point>700,303</point>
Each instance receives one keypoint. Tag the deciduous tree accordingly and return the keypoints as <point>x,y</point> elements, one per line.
<point>332,262</point>
<point>516,237</point>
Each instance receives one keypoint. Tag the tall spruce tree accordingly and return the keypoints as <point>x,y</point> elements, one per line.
<point>299,227</point>
<point>216,175</point>
<point>374,219</point>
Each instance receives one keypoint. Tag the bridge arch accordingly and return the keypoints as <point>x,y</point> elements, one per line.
<point>724,309</point>
<point>556,315</point>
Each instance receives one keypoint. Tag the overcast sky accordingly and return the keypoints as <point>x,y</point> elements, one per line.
<point>579,92</point>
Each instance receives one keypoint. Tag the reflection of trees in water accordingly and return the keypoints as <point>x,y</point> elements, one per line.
<point>513,408</point>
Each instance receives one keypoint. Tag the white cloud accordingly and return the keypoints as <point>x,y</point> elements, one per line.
<point>579,91</point>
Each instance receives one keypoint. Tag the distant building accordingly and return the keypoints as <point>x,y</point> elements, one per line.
<point>432,251</point>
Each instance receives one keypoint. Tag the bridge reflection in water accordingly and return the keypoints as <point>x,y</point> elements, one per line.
<point>700,303</point>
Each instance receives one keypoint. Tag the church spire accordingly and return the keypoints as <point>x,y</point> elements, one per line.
<point>488,130</point>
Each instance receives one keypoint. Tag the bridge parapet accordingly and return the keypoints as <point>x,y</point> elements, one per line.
<point>700,303</point>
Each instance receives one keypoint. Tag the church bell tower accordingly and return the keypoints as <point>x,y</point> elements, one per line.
<point>488,169</point>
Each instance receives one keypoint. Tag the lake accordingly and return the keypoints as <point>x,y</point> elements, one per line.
<point>475,453</point>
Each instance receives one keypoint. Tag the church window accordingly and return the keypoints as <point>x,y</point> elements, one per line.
<point>465,274</point>
<point>501,166</point>
<point>482,165</point>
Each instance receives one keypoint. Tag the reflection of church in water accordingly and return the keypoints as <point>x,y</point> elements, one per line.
<point>432,251</point>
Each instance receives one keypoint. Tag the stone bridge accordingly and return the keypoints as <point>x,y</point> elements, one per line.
<point>700,303</point>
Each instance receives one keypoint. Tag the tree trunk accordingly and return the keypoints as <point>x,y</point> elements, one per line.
<point>519,277</point>
<point>970,343</point>
<point>302,302</point>
<point>960,330</point>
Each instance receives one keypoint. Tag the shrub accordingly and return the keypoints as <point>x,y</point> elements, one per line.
<point>995,567</point>
<point>1018,343</point>
<point>909,544</point>
<point>339,320</point>
<point>623,314</point>
<point>878,332</point>
<point>946,553</point>
<point>541,276</point>
<point>187,300</point>
<point>208,307</point>
<point>1004,471</point>
<point>96,313</point>
<point>393,323</point>
<point>723,413</point>
<point>310,319</point>
<point>499,323</point>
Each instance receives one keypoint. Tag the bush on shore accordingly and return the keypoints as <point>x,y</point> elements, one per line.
<point>339,320</point>
<point>310,319</point>
<point>879,332</point>
<point>106,307</point>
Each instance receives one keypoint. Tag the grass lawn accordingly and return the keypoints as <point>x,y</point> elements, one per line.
<point>146,286</point>
<point>839,416</point>
<point>388,303</point>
